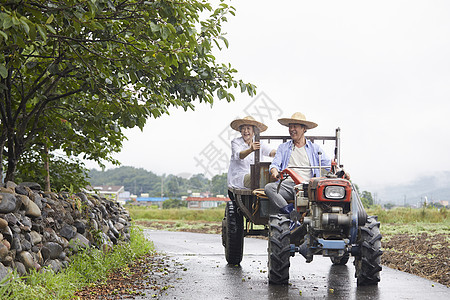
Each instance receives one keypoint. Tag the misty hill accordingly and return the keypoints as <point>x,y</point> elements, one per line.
<point>434,188</point>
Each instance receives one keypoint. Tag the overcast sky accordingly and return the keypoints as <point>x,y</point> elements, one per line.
<point>379,70</point>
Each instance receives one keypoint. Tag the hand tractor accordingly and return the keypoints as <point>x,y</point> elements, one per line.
<point>333,221</point>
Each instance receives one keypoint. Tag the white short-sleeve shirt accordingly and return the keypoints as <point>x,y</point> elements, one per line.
<point>240,167</point>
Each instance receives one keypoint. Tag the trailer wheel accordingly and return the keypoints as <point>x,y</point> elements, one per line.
<point>341,260</point>
<point>368,262</point>
<point>233,234</point>
<point>279,249</point>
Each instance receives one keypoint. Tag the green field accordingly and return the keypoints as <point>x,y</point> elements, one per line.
<point>148,213</point>
<point>398,215</point>
<point>407,215</point>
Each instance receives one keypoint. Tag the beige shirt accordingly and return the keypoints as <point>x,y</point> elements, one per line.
<point>299,158</point>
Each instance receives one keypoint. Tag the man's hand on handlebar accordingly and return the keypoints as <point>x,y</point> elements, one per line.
<point>275,174</point>
<point>342,174</point>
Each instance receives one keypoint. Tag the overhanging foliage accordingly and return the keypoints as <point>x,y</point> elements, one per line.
<point>74,73</point>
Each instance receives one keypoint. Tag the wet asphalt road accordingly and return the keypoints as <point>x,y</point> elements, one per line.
<point>204,274</point>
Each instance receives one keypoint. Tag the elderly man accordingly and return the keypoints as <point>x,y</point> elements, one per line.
<point>298,152</point>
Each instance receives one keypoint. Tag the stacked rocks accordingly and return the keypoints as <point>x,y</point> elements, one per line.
<point>39,229</point>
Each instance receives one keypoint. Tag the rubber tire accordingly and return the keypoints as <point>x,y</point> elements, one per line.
<point>340,261</point>
<point>368,263</point>
<point>233,234</point>
<point>279,249</point>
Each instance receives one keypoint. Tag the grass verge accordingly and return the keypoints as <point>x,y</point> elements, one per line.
<point>87,267</point>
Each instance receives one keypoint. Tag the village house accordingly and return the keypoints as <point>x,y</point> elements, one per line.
<point>145,200</point>
<point>112,192</point>
<point>205,202</point>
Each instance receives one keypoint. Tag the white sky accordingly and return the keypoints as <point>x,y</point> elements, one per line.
<point>379,70</point>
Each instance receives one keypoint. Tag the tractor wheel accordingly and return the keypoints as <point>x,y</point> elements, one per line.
<point>368,262</point>
<point>341,260</point>
<point>233,234</point>
<point>279,249</point>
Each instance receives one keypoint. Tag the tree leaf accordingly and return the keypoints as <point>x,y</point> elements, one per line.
<point>224,40</point>
<point>3,71</point>
<point>5,36</point>
<point>52,30</point>
<point>7,22</point>
<point>25,26</point>
<point>15,20</point>
<point>42,32</point>
<point>165,33</point>
<point>50,19</point>
<point>154,27</point>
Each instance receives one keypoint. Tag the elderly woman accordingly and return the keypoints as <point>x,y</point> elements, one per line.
<point>242,149</point>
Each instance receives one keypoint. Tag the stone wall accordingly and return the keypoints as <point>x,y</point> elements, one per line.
<point>39,229</point>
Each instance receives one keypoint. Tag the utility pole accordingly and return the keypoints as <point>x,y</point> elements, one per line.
<point>162,191</point>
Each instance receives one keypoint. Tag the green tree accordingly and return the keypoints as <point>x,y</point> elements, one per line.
<point>174,203</point>
<point>388,205</point>
<point>198,183</point>
<point>219,185</point>
<point>74,73</point>
<point>67,173</point>
<point>365,196</point>
<point>173,185</point>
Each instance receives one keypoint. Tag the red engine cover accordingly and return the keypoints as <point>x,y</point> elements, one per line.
<point>317,187</point>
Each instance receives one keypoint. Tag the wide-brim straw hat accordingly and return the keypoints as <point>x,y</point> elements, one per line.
<point>297,118</point>
<point>248,120</point>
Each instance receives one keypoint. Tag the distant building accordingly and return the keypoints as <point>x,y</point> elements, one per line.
<point>149,200</point>
<point>112,192</point>
<point>443,202</point>
<point>205,202</point>
<point>124,197</point>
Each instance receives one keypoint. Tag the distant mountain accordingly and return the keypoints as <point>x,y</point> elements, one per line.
<point>433,188</point>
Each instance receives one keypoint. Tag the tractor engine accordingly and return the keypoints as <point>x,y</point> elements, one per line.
<point>325,205</point>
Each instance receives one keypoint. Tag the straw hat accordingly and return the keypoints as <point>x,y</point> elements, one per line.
<point>248,120</point>
<point>297,118</point>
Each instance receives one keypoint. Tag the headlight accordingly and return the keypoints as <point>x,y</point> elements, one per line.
<point>334,192</point>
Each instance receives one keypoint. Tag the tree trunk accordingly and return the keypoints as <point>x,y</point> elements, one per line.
<point>15,150</point>
<point>11,170</point>
<point>2,146</point>
<point>47,169</point>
